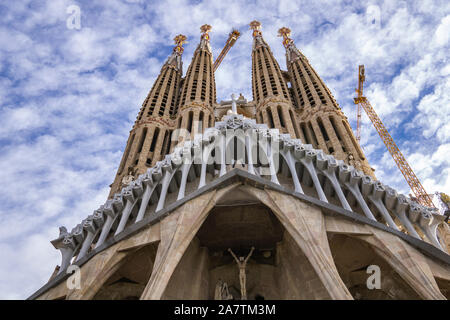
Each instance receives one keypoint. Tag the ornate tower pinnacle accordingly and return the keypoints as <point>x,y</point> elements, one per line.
<point>291,50</point>
<point>255,25</point>
<point>270,90</point>
<point>174,59</point>
<point>179,41</point>
<point>150,137</point>
<point>204,38</point>
<point>205,29</point>
<point>257,35</point>
<point>285,33</point>
<point>198,93</point>
<point>321,121</point>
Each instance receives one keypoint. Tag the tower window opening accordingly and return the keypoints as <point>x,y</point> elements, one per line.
<point>280,116</point>
<point>141,142</point>
<point>336,131</point>
<point>200,122</point>
<point>166,143</point>
<point>190,119</point>
<point>322,129</point>
<point>155,138</point>
<point>269,115</point>
<point>305,135</point>
<point>313,135</point>
<point>169,140</point>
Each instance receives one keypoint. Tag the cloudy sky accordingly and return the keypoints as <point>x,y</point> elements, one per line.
<point>69,96</point>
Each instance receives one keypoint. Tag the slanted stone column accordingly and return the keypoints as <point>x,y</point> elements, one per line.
<point>306,225</point>
<point>177,232</point>
<point>407,262</point>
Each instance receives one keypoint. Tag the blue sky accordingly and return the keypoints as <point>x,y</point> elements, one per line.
<point>68,97</point>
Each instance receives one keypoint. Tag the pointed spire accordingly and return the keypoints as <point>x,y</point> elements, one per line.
<point>174,59</point>
<point>257,35</point>
<point>204,38</point>
<point>292,52</point>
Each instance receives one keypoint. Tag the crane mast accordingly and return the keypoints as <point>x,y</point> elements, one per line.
<point>233,36</point>
<point>359,91</point>
<point>399,159</point>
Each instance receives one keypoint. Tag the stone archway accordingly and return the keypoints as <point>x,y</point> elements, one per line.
<point>304,236</point>
<point>277,269</point>
<point>129,280</point>
<point>353,257</point>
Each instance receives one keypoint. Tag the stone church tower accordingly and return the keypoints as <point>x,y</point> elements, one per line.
<point>265,199</point>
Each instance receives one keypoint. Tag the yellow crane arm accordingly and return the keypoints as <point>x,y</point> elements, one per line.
<point>359,91</point>
<point>399,159</point>
<point>233,36</point>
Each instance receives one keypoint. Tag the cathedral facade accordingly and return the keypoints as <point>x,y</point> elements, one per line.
<point>244,200</point>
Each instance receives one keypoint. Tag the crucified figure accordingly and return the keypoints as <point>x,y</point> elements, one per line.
<point>242,263</point>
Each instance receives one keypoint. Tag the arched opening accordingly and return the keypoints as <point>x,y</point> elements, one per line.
<point>336,130</point>
<point>353,265</point>
<point>322,130</point>
<point>305,135</point>
<point>200,122</point>
<point>444,286</point>
<point>130,278</point>
<point>281,117</point>
<point>297,134</point>
<point>190,120</point>
<point>154,139</point>
<point>141,141</point>
<point>312,135</point>
<point>270,117</point>
<point>276,269</point>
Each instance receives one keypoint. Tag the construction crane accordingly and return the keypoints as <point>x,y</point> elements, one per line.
<point>399,159</point>
<point>362,78</point>
<point>233,36</point>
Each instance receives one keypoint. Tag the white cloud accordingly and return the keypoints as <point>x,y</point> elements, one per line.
<point>442,34</point>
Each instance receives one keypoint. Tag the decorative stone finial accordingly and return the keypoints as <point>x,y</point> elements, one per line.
<point>255,25</point>
<point>205,29</point>
<point>286,34</point>
<point>204,38</point>
<point>179,41</point>
<point>291,51</point>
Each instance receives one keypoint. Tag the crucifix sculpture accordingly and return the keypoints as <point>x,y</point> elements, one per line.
<point>242,263</point>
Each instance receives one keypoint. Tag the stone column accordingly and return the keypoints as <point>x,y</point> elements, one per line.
<point>306,225</point>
